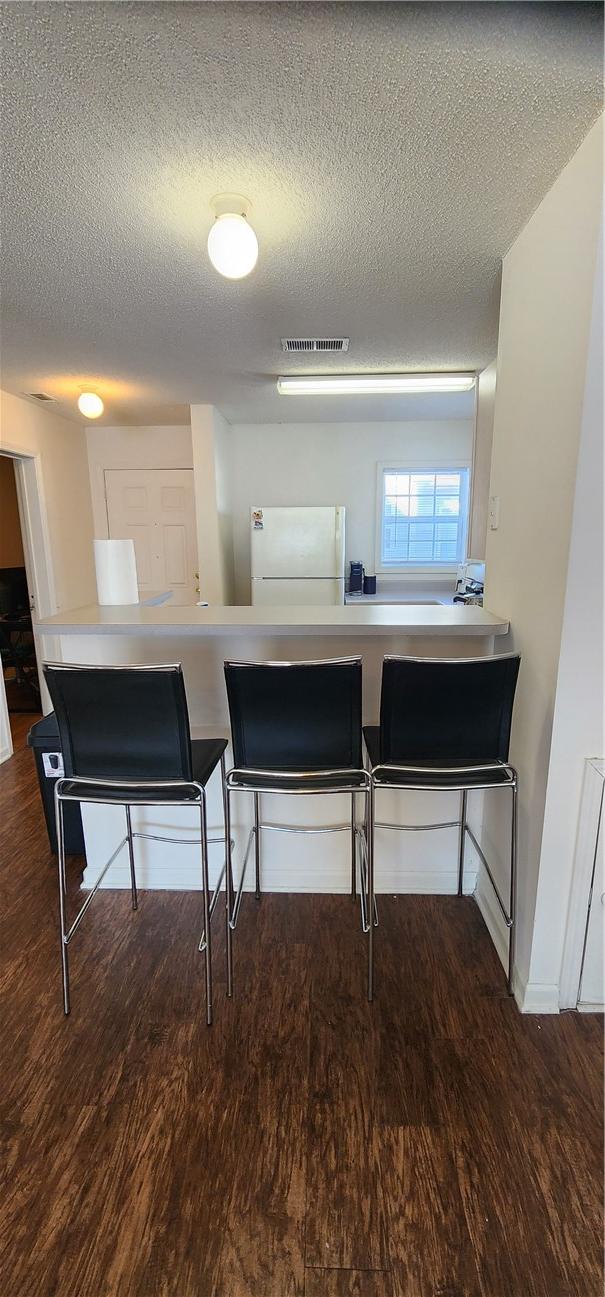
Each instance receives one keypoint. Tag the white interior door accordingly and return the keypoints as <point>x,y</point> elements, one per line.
<point>155,507</point>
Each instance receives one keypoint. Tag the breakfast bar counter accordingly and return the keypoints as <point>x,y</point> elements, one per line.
<point>150,619</point>
<point>202,639</point>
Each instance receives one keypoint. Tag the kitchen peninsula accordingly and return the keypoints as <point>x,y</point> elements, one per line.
<point>202,638</point>
<point>156,618</point>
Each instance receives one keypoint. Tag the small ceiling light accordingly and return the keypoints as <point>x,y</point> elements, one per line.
<point>374,384</point>
<point>90,405</point>
<point>232,243</point>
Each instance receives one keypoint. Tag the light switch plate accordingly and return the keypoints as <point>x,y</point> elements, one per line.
<point>494,512</point>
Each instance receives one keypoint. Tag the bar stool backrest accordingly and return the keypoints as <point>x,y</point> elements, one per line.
<point>295,716</point>
<point>122,722</point>
<point>447,710</point>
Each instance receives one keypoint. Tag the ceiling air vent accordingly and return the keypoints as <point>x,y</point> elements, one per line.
<point>41,396</point>
<point>299,345</point>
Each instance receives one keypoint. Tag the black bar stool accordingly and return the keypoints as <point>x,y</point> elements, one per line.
<point>125,736</point>
<point>445,725</point>
<point>296,729</point>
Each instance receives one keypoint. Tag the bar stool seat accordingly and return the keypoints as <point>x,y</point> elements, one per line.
<point>205,756</point>
<point>312,781</point>
<point>450,774</point>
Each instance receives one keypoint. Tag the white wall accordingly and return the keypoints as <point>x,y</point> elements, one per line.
<point>545,314</point>
<point>211,466</point>
<point>327,463</point>
<point>482,460</point>
<point>222,465</point>
<point>153,447</point>
<point>60,448</point>
<point>578,717</point>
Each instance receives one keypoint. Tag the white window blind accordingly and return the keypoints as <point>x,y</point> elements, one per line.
<point>423,516</point>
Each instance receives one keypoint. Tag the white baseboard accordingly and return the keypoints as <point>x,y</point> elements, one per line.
<point>498,931</point>
<point>405,863</point>
<point>5,753</point>
<point>531,997</point>
<point>540,997</point>
<point>185,877</point>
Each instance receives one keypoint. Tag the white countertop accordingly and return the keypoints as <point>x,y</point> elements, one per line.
<point>423,597</point>
<point>427,591</point>
<point>354,620</point>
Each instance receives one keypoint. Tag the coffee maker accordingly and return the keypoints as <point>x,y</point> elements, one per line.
<point>356,578</point>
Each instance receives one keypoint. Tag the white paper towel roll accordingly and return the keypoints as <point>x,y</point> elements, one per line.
<point>116,571</point>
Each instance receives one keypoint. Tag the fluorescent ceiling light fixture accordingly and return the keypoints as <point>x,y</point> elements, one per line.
<point>90,405</point>
<point>374,384</point>
<point>232,243</point>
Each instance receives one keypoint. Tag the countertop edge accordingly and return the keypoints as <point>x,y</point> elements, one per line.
<point>360,630</point>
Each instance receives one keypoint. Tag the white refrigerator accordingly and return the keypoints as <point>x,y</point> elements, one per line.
<point>298,555</point>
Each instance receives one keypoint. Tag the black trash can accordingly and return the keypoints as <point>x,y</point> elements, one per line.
<point>43,738</point>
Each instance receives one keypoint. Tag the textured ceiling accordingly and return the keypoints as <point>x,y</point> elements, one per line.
<point>391,153</point>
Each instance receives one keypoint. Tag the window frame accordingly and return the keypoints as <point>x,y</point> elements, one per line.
<point>425,465</point>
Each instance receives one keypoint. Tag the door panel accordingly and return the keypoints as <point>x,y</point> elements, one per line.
<point>175,550</point>
<point>172,497</point>
<point>136,497</point>
<point>155,507</point>
<point>141,535</point>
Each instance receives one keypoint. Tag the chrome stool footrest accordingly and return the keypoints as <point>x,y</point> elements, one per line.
<point>67,936</point>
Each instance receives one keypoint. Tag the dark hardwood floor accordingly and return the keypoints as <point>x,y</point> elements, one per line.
<point>435,1144</point>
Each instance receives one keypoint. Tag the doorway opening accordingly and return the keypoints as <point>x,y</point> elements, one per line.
<point>17,650</point>
<point>26,592</point>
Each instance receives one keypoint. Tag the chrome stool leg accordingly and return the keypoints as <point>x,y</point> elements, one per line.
<point>206,891</point>
<point>133,880</point>
<point>461,843</point>
<point>228,885</point>
<point>371,924</point>
<point>257,845</point>
<point>62,901</point>
<point>226,815</point>
<point>513,889</point>
<point>353,849</point>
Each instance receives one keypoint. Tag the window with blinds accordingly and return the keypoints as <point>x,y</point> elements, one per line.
<point>423,516</point>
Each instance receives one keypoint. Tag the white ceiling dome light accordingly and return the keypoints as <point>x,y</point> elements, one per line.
<point>232,243</point>
<point>90,405</point>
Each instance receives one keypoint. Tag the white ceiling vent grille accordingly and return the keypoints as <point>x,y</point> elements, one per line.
<point>292,345</point>
<point>41,396</point>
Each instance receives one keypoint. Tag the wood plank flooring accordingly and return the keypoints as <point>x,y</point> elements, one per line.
<point>435,1144</point>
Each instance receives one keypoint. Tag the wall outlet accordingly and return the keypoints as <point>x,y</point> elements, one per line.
<point>494,512</point>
